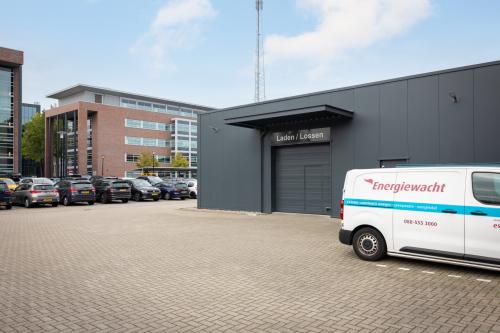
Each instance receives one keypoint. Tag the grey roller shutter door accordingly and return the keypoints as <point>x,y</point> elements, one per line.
<point>302,179</point>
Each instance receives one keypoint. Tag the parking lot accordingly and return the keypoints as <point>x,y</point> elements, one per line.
<point>166,266</point>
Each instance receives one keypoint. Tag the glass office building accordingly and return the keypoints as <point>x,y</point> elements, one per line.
<point>6,120</point>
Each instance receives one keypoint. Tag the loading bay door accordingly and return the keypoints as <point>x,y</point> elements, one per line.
<point>302,179</point>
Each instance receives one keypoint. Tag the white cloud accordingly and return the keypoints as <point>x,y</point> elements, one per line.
<point>177,25</point>
<point>344,25</point>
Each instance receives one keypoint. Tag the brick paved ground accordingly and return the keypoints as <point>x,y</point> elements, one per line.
<point>162,267</point>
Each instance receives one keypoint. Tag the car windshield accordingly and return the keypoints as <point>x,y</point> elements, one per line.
<point>42,181</point>
<point>181,186</point>
<point>140,183</point>
<point>120,185</point>
<point>82,185</point>
<point>155,180</point>
<point>43,187</point>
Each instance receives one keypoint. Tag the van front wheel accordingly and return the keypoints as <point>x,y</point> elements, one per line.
<point>369,244</point>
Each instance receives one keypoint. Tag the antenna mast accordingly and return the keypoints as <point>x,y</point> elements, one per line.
<point>260,78</point>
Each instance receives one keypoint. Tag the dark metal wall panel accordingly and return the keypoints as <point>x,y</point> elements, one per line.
<point>342,148</point>
<point>229,165</point>
<point>366,127</point>
<point>302,179</point>
<point>487,114</point>
<point>423,120</point>
<point>393,120</point>
<point>456,120</point>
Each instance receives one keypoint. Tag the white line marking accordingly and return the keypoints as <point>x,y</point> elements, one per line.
<point>427,272</point>
<point>483,280</point>
<point>404,269</point>
<point>379,265</point>
<point>454,276</point>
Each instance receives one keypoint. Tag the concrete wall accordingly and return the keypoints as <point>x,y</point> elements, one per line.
<point>411,118</point>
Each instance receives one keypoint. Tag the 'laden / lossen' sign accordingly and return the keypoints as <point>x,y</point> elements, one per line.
<point>314,135</point>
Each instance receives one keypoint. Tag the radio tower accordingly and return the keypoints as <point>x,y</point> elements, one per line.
<point>260,78</point>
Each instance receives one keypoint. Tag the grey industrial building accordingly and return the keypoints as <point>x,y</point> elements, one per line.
<point>292,154</point>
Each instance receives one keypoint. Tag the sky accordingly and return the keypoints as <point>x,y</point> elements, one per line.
<point>202,51</point>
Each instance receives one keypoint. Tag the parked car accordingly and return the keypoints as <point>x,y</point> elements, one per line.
<point>108,190</point>
<point>143,190</point>
<point>36,180</point>
<point>75,190</point>
<point>10,183</point>
<point>5,195</point>
<point>31,194</point>
<point>447,214</point>
<point>192,188</point>
<point>153,180</point>
<point>173,190</point>
<point>94,179</point>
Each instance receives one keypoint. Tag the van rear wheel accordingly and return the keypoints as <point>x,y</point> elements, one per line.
<point>369,244</point>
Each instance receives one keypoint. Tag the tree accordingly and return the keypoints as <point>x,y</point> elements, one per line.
<point>146,160</point>
<point>33,139</point>
<point>180,161</point>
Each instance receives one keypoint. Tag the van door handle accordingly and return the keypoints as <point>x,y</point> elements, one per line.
<point>449,211</point>
<point>478,212</point>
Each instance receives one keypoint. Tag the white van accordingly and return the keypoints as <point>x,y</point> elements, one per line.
<point>442,214</point>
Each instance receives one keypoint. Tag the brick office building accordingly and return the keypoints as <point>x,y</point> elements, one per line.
<point>100,131</point>
<point>11,62</point>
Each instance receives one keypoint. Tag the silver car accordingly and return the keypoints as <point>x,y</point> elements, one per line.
<point>30,194</point>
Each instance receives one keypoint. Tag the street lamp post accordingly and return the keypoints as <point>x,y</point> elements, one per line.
<point>154,164</point>
<point>102,165</point>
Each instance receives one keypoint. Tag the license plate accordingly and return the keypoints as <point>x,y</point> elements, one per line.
<point>47,200</point>
<point>123,190</point>
<point>155,194</point>
<point>184,192</point>
<point>85,192</point>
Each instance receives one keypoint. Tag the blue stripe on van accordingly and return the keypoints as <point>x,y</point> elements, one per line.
<point>421,206</point>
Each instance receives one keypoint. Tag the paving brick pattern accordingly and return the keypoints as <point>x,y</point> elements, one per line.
<point>163,267</point>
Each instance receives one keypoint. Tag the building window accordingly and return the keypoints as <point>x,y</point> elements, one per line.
<point>132,157</point>
<point>143,124</point>
<point>162,158</point>
<point>147,142</point>
<point>128,103</point>
<point>98,98</point>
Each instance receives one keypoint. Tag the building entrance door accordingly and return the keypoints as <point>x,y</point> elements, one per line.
<point>302,179</point>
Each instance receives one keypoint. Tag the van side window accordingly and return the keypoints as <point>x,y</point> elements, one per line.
<point>486,187</point>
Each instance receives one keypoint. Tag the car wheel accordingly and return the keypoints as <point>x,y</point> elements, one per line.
<point>104,198</point>
<point>156,199</point>
<point>183,198</point>
<point>55,204</point>
<point>66,201</point>
<point>124,200</point>
<point>91,203</point>
<point>192,195</point>
<point>137,196</point>
<point>369,244</point>
<point>27,203</point>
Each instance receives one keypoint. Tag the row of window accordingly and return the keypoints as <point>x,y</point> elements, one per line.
<point>185,144</point>
<point>143,124</point>
<point>147,142</point>
<point>161,108</point>
<point>135,158</point>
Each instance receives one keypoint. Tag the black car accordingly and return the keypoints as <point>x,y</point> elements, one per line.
<point>172,190</point>
<point>107,190</point>
<point>153,180</point>
<point>142,190</point>
<point>75,190</point>
<point>5,195</point>
<point>94,179</point>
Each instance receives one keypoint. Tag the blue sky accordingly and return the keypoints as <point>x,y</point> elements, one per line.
<point>202,51</point>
